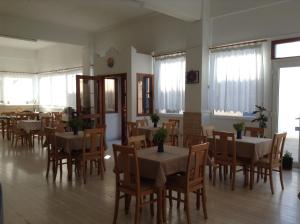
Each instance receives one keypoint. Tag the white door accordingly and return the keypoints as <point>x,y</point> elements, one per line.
<point>287,103</point>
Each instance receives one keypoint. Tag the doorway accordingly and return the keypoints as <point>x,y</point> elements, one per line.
<point>115,86</point>
<point>288,106</point>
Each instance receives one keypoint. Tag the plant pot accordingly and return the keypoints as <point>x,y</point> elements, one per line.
<point>155,125</point>
<point>75,131</point>
<point>160,147</point>
<point>287,163</point>
<point>239,134</point>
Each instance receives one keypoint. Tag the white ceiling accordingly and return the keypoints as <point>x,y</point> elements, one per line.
<point>223,7</point>
<point>24,44</point>
<point>94,15</point>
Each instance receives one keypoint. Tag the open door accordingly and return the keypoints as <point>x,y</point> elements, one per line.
<point>90,100</point>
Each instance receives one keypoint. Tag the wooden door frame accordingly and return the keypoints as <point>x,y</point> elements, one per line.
<point>100,113</point>
<point>122,76</point>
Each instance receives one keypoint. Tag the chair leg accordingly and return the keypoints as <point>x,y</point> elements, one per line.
<point>271,180</point>
<point>265,175</point>
<point>117,200</point>
<point>55,164</point>
<point>203,194</point>
<point>178,199</point>
<point>137,210</point>
<point>187,207</point>
<point>60,170</point>
<point>198,195</point>
<point>170,198</point>
<point>233,170</point>
<point>151,205</point>
<point>48,167</point>
<point>258,174</point>
<point>281,178</point>
<point>84,171</point>
<point>91,167</point>
<point>210,172</point>
<point>214,175</point>
<point>127,203</point>
<point>100,168</point>
<point>220,173</point>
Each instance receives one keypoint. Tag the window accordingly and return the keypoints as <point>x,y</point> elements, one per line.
<point>58,89</point>
<point>286,48</point>
<point>170,83</point>
<point>144,94</point>
<point>16,88</point>
<point>236,80</point>
<point>111,96</point>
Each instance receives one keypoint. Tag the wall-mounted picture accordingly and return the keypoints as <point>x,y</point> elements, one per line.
<point>192,77</point>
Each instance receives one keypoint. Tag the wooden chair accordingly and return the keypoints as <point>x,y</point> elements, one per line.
<point>45,122</point>
<point>192,139</point>
<point>93,151</point>
<point>138,141</point>
<point>128,181</point>
<point>193,180</point>
<point>17,133</point>
<point>142,123</point>
<point>274,160</point>
<point>223,156</point>
<point>176,122</point>
<point>132,129</point>
<point>172,138</point>
<point>208,130</point>
<point>55,154</point>
<point>254,132</point>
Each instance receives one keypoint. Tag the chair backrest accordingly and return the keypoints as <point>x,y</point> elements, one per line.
<point>170,127</point>
<point>196,165</point>
<point>277,147</point>
<point>142,123</point>
<point>254,132</point>
<point>191,140</point>
<point>175,121</point>
<point>132,128</point>
<point>50,140</point>
<point>224,149</point>
<point>93,142</point>
<point>208,130</point>
<point>126,167</point>
<point>46,121</point>
<point>138,141</point>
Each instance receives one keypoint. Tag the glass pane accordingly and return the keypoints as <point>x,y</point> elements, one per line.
<point>289,109</point>
<point>110,95</point>
<point>85,95</point>
<point>284,50</point>
<point>140,96</point>
<point>13,97</point>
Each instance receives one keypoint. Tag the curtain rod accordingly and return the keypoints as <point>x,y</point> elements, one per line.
<point>238,43</point>
<point>168,54</point>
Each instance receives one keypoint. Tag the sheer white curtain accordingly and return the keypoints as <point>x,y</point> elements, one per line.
<point>236,79</point>
<point>58,89</point>
<point>17,88</point>
<point>170,84</point>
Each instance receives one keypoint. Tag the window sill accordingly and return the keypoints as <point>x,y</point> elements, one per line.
<point>223,117</point>
<point>170,115</point>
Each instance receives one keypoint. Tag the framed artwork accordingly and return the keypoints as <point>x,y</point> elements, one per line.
<point>192,77</point>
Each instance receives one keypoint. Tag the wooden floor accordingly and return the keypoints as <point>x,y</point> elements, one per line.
<point>30,199</point>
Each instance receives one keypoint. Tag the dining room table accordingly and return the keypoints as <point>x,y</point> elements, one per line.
<point>29,126</point>
<point>157,166</point>
<point>248,148</point>
<point>71,144</point>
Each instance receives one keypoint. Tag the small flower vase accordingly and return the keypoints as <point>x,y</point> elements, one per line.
<point>75,131</point>
<point>239,134</point>
<point>160,147</point>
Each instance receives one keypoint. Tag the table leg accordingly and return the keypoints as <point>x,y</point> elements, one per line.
<point>3,128</point>
<point>69,165</point>
<point>251,175</point>
<point>160,205</point>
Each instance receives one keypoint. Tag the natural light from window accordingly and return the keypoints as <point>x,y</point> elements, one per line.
<point>284,50</point>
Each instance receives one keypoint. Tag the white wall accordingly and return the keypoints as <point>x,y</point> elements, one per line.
<point>17,60</point>
<point>59,56</point>
<point>155,33</point>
